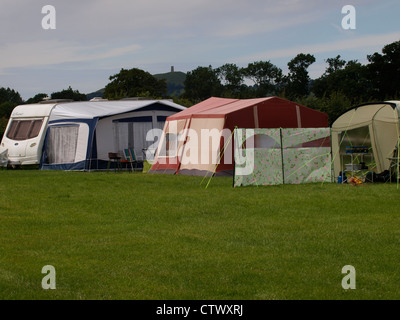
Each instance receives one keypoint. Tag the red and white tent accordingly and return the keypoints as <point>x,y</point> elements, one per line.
<point>199,140</point>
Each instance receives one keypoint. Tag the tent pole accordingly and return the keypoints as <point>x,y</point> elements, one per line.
<point>234,162</point>
<point>283,166</point>
<point>91,146</point>
<point>221,154</point>
<point>254,162</point>
<point>398,145</point>
<point>340,143</point>
<point>186,131</point>
<point>398,162</point>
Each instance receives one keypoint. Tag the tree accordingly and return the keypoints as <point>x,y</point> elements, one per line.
<point>3,126</point>
<point>69,94</point>
<point>334,64</point>
<point>265,76</point>
<point>352,81</point>
<point>384,71</point>
<point>202,83</point>
<point>231,78</point>
<point>9,99</point>
<point>334,105</point>
<point>6,108</point>
<point>298,79</point>
<point>10,95</point>
<point>134,83</point>
<point>37,98</point>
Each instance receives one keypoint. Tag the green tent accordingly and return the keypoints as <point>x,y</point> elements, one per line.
<point>373,127</point>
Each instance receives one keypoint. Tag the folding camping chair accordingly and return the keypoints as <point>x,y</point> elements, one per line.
<point>138,158</point>
<point>130,158</point>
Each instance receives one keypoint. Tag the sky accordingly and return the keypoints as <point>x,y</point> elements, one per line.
<point>94,39</point>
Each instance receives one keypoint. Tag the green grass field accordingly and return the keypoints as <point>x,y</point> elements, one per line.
<point>139,236</point>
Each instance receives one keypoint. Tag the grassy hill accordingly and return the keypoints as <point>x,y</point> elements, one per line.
<point>96,94</point>
<point>175,82</point>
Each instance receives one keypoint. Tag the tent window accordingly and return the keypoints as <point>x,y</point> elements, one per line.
<point>170,145</point>
<point>161,118</point>
<point>140,130</point>
<point>62,143</point>
<point>262,141</point>
<point>160,125</point>
<point>161,122</point>
<point>24,129</point>
<point>355,137</point>
<point>358,137</point>
<point>132,134</point>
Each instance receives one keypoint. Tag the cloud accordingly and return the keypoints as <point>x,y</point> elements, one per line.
<point>31,54</point>
<point>103,36</point>
<point>84,27</point>
<point>369,42</point>
<point>140,19</point>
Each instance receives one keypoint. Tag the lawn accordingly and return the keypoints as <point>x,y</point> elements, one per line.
<point>141,236</point>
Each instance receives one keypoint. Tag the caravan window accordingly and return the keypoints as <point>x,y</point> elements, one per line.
<point>24,129</point>
<point>36,126</point>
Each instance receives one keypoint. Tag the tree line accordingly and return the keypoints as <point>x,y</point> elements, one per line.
<point>342,85</point>
<point>9,99</point>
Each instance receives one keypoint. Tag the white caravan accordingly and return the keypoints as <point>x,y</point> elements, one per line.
<point>81,134</point>
<point>25,133</point>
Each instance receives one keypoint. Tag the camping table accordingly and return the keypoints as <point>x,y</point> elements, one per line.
<point>116,158</point>
<point>353,156</point>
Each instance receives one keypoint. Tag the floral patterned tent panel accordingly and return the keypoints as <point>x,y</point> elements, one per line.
<point>277,156</point>
<point>266,162</point>
<point>305,159</point>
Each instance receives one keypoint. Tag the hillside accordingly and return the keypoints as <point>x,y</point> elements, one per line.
<point>175,82</point>
<point>96,94</point>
